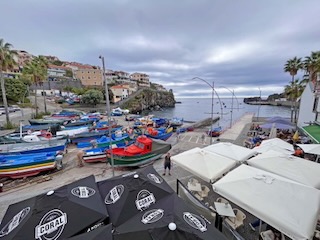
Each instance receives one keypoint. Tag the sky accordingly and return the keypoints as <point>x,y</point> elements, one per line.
<point>235,46</point>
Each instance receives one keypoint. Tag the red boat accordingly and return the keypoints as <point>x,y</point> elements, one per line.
<point>144,150</point>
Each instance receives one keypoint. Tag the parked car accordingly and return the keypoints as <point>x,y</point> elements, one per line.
<point>15,108</point>
<point>124,111</point>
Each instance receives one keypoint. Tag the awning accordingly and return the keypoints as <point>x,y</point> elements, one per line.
<point>313,131</point>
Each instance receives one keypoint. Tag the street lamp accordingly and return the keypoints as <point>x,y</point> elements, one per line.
<point>233,95</point>
<point>259,103</point>
<point>212,95</point>
<point>108,112</point>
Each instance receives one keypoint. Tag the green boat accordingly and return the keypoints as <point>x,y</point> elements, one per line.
<point>46,121</point>
<point>144,151</point>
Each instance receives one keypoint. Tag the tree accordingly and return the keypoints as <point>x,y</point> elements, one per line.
<point>69,73</point>
<point>36,70</point>
<point>6,63</point>
<point>92,97</point>
<point>15,89</point>
<point>311,65</point>
<point>293,92</point>
<point>292,66</point>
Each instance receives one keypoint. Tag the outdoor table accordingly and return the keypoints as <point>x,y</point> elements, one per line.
<point>196,187</point>
<point>224,209</point>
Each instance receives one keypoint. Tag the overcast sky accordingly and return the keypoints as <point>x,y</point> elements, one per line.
<point>238,44</point>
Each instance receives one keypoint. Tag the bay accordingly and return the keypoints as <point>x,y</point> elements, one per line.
<point>196,109</point>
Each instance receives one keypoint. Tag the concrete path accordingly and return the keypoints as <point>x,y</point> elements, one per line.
<point>233,133</point>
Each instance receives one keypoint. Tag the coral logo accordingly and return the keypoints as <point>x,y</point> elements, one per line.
<point>195,221</point>
<point>83,192</point>
<point>114,194</point>
<point>144,200</point>
<point>51,225</point>
<point>152,216</point>
<point>154,178</point>
<point>14,222</point>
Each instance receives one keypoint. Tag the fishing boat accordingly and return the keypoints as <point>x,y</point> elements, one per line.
<point>46,121</point>
<point>80,122</point>
<point>98,154</point>
<point>89,136</point>
<point>25,165</point>
<point>176,122</point>
<point>144,151</point>
<point>34,147</point>
<point>159,133</point>
<point>73,131</point>
<point>104,141</point>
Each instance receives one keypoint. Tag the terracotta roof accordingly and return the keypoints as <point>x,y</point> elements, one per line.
<point>58,67</point>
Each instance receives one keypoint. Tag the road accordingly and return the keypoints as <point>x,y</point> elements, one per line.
<point>25,113</point>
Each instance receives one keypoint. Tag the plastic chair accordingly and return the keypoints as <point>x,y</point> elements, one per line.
<point>193,181</point>
<point>205,191</point>
<point>237,221</point>
<point>222,200</point>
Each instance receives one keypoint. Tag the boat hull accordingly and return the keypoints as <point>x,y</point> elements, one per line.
<point>164,136</point>
<point>19,166</point>
<point>158,149</point>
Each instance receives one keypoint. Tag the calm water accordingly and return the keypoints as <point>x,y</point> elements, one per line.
<point>192,109</point>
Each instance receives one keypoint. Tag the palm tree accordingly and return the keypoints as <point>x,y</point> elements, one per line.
<point>6,62</point>
<point>293,92</point>
<point>35,70</point>
<point>292,66</point>
<point>43,70</point>
<point>311,65</point>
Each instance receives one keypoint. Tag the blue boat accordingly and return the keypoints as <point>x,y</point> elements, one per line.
<point>19,166</point>
<point>159,133</point>
<point>105,141</point>
<point>88,136</point>
<point>34,147</point>
<point>99,154</point>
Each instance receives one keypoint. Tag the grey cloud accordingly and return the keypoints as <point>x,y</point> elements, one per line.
<point>240,44</point>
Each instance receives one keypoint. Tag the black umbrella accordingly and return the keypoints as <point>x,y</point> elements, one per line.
<point>169,219</point>
<point>101,233</point>
<point>59,214</point>
<point>129,194</point>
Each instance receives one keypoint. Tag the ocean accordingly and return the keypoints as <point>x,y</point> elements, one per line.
<point>195,109</point>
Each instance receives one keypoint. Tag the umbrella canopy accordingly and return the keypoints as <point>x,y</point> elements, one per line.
<point>230,150</point>
<point>277,142</point>
<point>288,206</point>
<point>294,168</point>
<point>207,165</point>
<point>279,120</point>
<point>128,194</point>
<point>277,125</point>
<point>273,132</point>
<point>101,233</point>
<point>310,148</point>
<point>169,219</point>
<point>59,214</point>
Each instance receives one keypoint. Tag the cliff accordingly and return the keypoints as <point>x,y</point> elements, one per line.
<point>149,99</point>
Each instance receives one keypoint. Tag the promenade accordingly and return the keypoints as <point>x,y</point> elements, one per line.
<point>34,186</point>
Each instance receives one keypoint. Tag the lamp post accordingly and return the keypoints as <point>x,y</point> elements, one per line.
<point>108,112</point>
<point>231,111</point>
<point>259,103</point>
<point>212,96</point>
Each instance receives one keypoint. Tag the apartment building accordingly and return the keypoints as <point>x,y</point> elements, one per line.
<point>141,79</point>
<point>57,71</point>
<point>89,77</point>
<point>119,92</point>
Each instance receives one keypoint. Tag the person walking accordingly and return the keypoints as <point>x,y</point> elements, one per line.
<point>203,137</point>
<point>167,164</point>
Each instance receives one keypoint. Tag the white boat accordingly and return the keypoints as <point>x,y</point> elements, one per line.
<point>72,132</point>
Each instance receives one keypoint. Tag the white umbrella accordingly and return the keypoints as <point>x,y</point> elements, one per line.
<point>288,206</point>
<point>230,150</point>
<point>204,164</point>
<point>273,132</point>
<point>277,142</point>
<point>310,148</point>
<point>294,168</point>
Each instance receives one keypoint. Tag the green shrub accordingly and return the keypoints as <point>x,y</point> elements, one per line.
<point>10,125</point>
